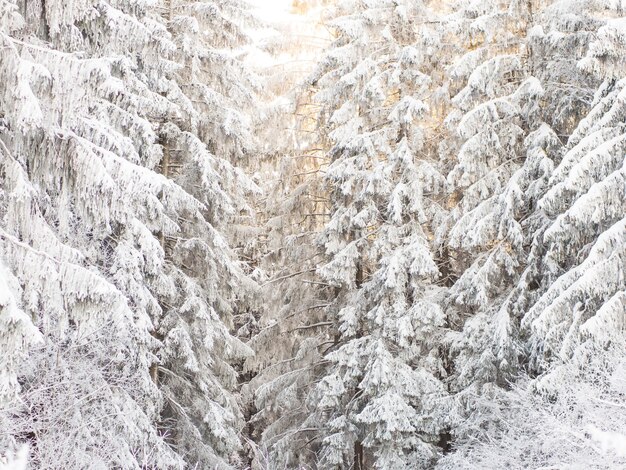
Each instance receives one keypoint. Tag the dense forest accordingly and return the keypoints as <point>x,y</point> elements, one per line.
<point>358,235</point>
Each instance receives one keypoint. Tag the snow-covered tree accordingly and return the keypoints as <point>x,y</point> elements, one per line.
<point>377,396</point>
<point>571,420</point>
<point>545,294</point>
<point>490,187</point>
<point>212,88</point>
<point>584,256</point>
<point>291,296</point>
<point>520,104</point>
<point>111,202</point>
<point>579,216</point>
<point>58,200</point>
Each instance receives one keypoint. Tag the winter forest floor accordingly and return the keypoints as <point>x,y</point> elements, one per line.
<point>313,234</point>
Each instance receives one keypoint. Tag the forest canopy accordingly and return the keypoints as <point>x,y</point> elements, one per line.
<point>316,234</point>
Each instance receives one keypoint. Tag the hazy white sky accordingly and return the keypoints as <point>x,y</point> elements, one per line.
<point>301,36</point>
<point>272,10</point>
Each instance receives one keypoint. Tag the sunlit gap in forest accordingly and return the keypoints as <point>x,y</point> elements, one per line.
<point>290,37</point>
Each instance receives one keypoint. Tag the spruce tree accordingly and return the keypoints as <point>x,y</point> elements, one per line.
<point>110,214</point>
<point>379,400</point>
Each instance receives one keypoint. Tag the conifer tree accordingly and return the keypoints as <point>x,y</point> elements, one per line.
<point>378,399</point>
<point>490,187</point>
<point>114,243</point>
<point>294,207</point>
<point>583,258</point>
<point>557,301</point>
<point>504,167</point>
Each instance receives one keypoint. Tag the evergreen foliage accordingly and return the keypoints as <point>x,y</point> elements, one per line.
<point>391,235</point>
<point>115,186</point>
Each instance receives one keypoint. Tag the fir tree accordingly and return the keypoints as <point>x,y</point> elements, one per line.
<point>379,400</point>
<point>113,240</point>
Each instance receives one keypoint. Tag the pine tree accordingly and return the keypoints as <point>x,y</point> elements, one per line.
<point>504,167</point>
<point>59,206</point>
<point>580,215</point>
<point>196,369</point>
<point>583,259</point>
<point>291,296</point>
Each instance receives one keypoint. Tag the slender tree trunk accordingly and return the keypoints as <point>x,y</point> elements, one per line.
<point>45,29</point>
<point>358,456</point>
<point>359,275</point>
<point>165,171</point>
<point>154,373</point>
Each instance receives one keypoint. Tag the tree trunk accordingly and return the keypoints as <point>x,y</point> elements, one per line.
<point>358,456</point>
<point>165,170</point>
<point>359,275</point>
